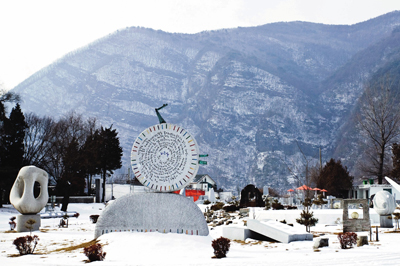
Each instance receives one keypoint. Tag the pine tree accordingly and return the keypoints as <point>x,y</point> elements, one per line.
<point>335,178</point>
<point>110,153</point>
<point>306,217</point>
<point>396,161</point>
<point>12,147</point>
<point>91,157</point>
<point>73,179</point>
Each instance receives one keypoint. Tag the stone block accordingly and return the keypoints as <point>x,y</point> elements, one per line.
<point>278,231</point>
<point>320,242</point>
<point>362,240</point>
<point>152,212</point>
<point>23,218</point>
<point>236,233</point>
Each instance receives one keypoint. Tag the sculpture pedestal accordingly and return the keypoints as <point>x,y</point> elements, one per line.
<point>385,221</point>
<point>22,226</point>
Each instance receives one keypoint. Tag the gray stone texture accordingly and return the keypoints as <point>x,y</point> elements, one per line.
<point>152,212</point>
<point>386,221</point>
<point>22,226</point>
<point>356,225</point>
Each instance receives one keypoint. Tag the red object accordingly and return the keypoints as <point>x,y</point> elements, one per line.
<point>316,188</point>
<point>290,190</point>
<point>193,193</point>
<point>304,187</point>
<point>324,190</point>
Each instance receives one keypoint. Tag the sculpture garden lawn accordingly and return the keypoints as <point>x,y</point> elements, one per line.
<point>64,246</point>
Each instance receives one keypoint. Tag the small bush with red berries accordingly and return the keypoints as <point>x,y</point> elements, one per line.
<point>26,244</point>
<point>347,240</point>
<point>94,252</point>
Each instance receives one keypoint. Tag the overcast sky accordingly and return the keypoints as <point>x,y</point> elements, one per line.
<point>35,33</point>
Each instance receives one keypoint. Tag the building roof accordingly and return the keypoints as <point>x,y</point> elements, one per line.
<point>199,178</point>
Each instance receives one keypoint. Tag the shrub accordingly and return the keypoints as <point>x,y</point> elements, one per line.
<point>94,218</point>
<point>347,240</point>
<point>206,202</point>
<point>276,205</point>
<point>26,244</point>
<point>306,217</point>
<point>221,246</point>
<point>12,223</point>
<point>94,252</point>
<point>230,208</point>
<point>217,206</point>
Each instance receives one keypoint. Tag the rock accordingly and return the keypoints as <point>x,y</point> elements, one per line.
<point>320,242</point>
<point>362,240</point>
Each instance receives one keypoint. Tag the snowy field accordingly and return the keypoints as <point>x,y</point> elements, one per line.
<point>63,246</point>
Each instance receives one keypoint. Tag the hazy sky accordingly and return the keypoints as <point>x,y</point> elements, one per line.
<point>34,33</point>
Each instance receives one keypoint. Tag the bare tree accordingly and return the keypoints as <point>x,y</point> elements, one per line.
<point>36,141</point>
<point>379,121</point>
<point>303,173</point>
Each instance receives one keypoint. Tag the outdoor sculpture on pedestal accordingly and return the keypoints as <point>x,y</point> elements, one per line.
<point>23,199</point>
<point>384,205</point>
<point>164,158</point>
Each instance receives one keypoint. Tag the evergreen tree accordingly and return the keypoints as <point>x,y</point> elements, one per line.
<point>110,153</point>
<point>90,157</point>
<point>72,181</point>
<point>335,178</point>
<point>306,217</point>
<point>12,148</point>
<point>396,162</point>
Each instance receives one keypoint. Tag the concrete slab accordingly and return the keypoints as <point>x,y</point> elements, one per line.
<point>236,233</point>
<point>278,231</point>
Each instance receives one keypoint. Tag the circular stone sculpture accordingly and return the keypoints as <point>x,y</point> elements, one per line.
<point>165,157</point>
<point>384,203</point>
<point>21,194</point>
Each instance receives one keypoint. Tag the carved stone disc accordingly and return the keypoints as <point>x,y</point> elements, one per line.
<point>165,157</point>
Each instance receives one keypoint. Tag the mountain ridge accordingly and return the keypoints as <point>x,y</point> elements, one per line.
<point>258,92</point>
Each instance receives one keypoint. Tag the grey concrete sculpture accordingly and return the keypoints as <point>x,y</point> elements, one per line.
<point>21,195</point>
<point>152,212</point>
<point>384,203</point>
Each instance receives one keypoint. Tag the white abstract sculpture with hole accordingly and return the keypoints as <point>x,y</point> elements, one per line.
<point>23,199</point>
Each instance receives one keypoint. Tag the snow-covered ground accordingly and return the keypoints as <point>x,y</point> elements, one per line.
<point>61,246</point>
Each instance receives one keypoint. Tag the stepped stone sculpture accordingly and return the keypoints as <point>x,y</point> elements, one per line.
<point>384,205</point>
<point>23,199</point>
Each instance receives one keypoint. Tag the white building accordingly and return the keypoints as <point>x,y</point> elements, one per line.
<point>368,188</point>
<point>202,182</point>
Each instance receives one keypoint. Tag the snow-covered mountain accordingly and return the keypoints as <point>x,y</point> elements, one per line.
<point>252,96</point>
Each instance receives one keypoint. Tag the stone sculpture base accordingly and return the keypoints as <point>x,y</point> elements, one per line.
<point>152,212</point>
<point>385,221</point>
<point>23,218</point>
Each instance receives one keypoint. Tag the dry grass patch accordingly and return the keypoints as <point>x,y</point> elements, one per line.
<point>249,242</point>
<point>75,247</point>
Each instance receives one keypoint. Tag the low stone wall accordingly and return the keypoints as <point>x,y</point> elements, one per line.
<point>78,199</point>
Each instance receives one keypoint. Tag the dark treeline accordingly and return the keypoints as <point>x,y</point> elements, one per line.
<point>71,149</point>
